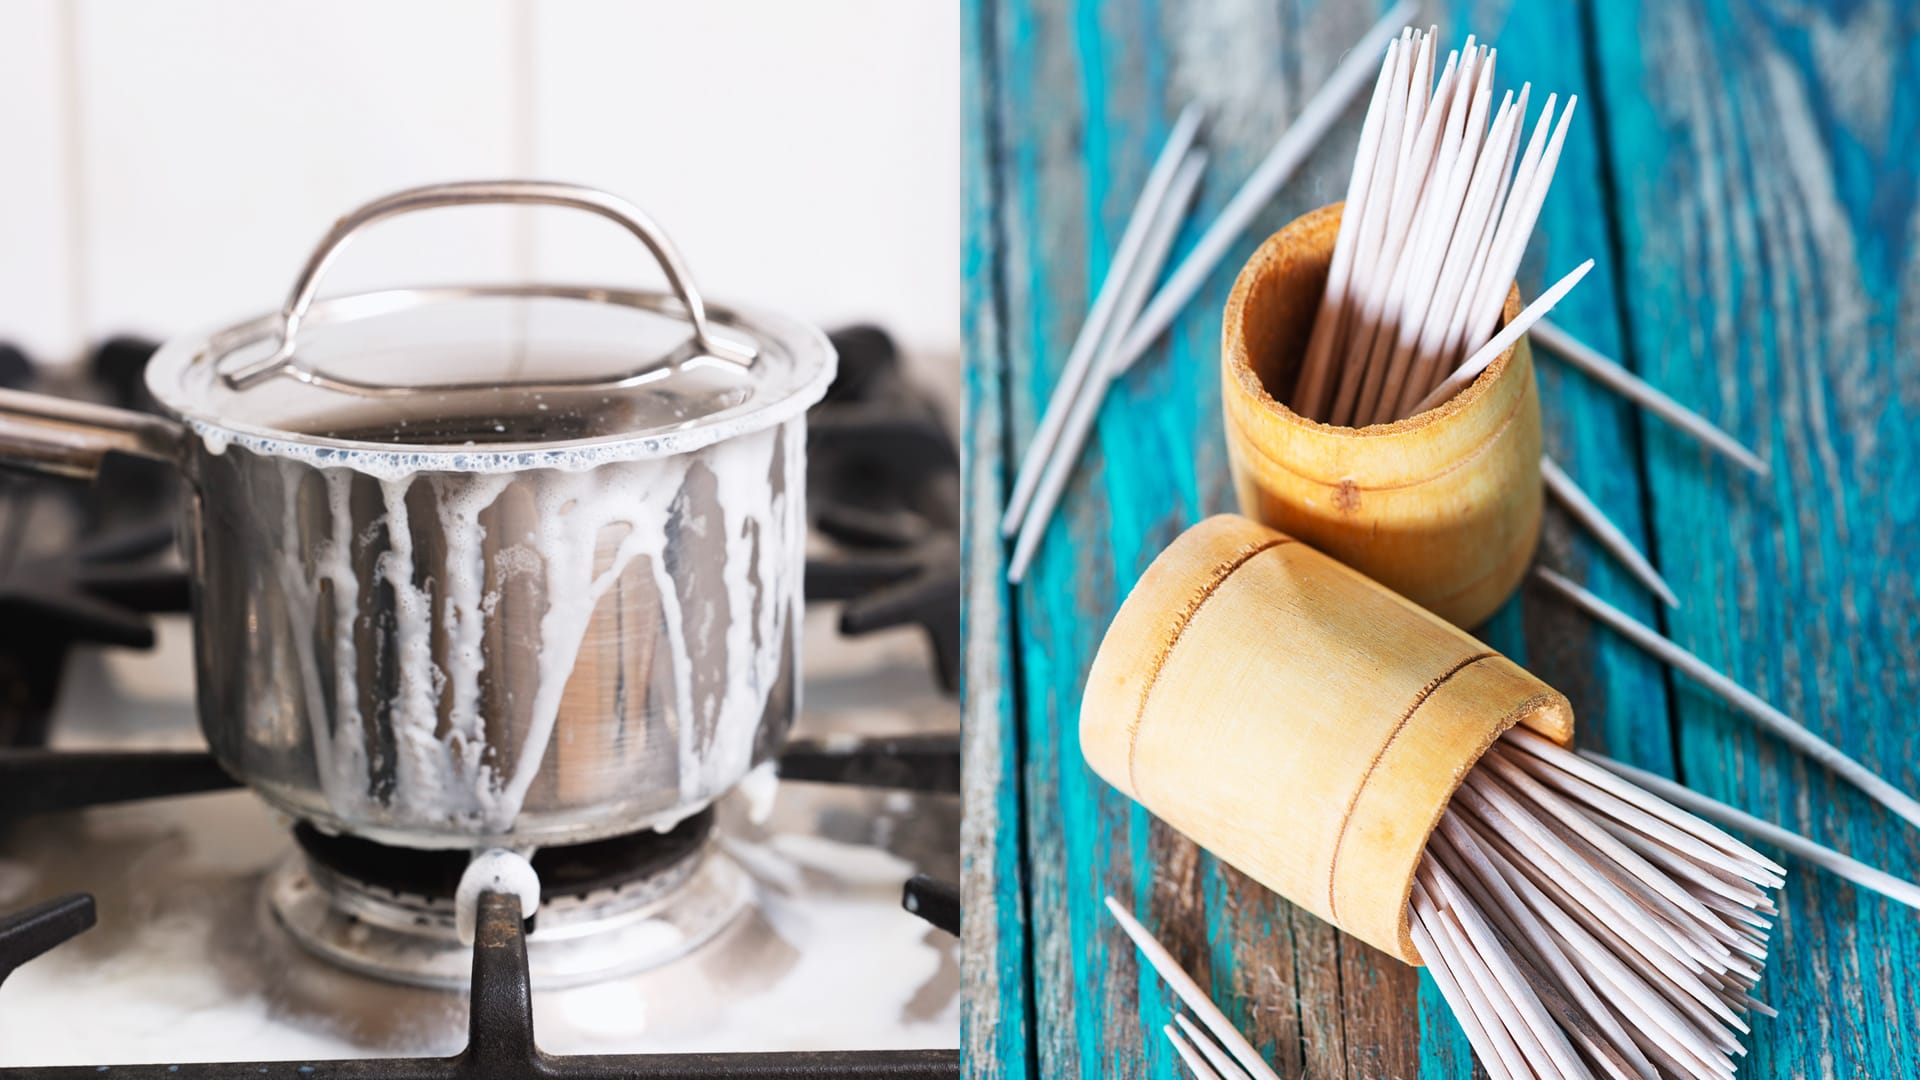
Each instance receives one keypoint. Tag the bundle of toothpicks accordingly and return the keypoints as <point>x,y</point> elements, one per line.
<point>1436,220</point>
<point>1579,925</point>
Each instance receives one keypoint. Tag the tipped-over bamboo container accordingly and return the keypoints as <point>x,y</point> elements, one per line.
<point>1443,507</point>
<point>1297,719</point>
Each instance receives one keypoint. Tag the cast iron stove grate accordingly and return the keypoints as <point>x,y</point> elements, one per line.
<point>882,485</point>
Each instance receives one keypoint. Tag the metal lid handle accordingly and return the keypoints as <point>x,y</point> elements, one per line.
<point>467,193</point>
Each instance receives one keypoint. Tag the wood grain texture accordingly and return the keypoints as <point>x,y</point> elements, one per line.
<point>1328,798</point>
<point>995,1015</point>
<point>1751,213</point>
<point>1085,93</point>
<point>1766,171</point>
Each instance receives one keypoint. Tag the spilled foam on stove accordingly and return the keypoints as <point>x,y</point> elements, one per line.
<point>189,970</point>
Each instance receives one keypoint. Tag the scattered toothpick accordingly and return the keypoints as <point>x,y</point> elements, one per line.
<point>1201,1070</point>
<point>1189,992</point>
<point>1780,724</point>
<point>1887,885</point>
<point>1588,513</point>
<point>1101,373</point>
<point>1100,322</point>
<point>1632,387</point>
<point>1215,1054</point>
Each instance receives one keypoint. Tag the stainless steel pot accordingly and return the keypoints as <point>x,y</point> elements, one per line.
<point>490,566</point>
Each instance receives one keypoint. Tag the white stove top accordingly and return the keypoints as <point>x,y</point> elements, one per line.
<point>186,965</point>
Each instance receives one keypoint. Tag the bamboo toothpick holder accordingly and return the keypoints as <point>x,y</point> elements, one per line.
<point>1297,719</point>
<point>1443,506</point>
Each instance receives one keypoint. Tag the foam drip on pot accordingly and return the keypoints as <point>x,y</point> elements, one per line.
<point>732,506</point>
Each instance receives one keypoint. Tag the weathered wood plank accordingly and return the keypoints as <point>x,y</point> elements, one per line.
<point>1767,181</point>
<point>1768,246</point>
<point>1087,92</point>
<point>995,1013</point>
<point>1082,95</point>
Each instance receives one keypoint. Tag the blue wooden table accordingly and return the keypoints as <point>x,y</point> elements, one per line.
<point>1746,176</point>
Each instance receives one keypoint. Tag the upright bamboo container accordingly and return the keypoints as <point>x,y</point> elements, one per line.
<point>1297,719</point>
<point>1443,507</point>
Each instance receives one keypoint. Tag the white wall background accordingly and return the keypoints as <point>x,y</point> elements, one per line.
<point>166,166</point>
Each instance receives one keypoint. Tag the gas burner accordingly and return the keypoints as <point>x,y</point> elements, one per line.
<point>25,935</point>
<point>634,862</point>
<point>607,908</point>
<point>911,583</point>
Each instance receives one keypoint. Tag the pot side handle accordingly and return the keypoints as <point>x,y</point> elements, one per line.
<point>45,434</point>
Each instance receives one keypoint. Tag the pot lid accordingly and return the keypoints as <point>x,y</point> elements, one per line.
<point>495,376</point>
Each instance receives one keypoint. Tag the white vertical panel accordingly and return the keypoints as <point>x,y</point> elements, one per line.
<point>36,309</point>
<point>222,137</point>
<point>804,155</point>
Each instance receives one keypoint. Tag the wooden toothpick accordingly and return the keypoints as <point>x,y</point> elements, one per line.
<point>1315,119</point>
<point>1085,407</point>
<point>1514,245</point>
<point>1686,831</point>
<point>1650,995</point>
<point>1073,375</point>
<point>1201,1070</point>
<point>1630,386</point>
<point>1472,863</point>
<point>1537,1030</point>
<point>1424,319</point>
<point>1588,513</point>
<point>1746,701</point>
<point>1216,1057</point>
<point>1887,885</point>
<point>1189,992</point>
<point>1441,945</point>
<point>1491,351</point>
<point>1329,322</point>
<point>1511,179</point>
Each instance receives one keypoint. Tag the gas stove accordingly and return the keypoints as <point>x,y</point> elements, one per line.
<point>800,926</point>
